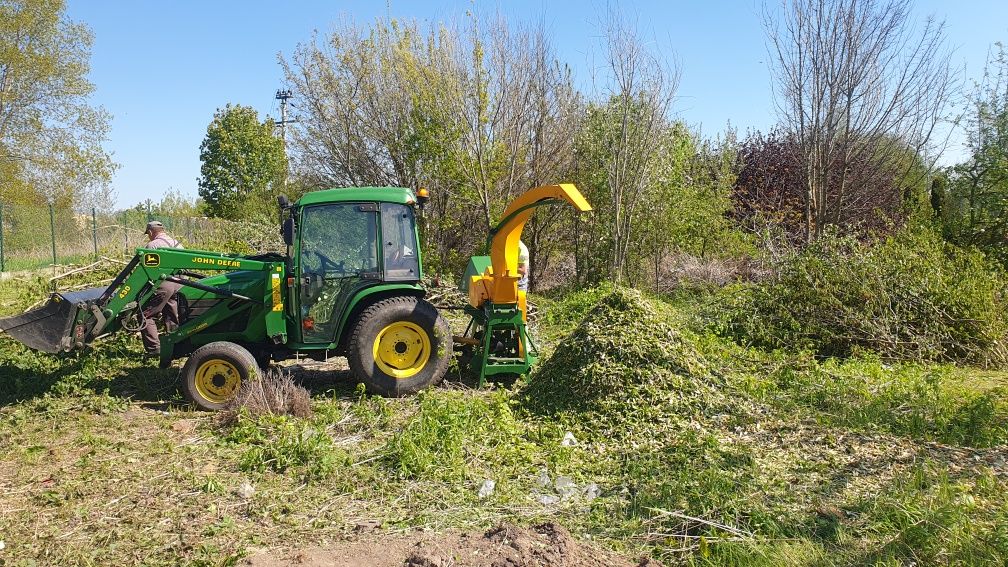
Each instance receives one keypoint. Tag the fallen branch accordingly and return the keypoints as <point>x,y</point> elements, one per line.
<point>89,267</point>
<point>735,531</point>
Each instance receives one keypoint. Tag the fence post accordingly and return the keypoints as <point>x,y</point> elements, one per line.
<point>94,231</point>
<point>52,233</point>
<point>1,240</point>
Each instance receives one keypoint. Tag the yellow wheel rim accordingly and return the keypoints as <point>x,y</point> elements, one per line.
<point>402,349</point>
<point>217,380</point>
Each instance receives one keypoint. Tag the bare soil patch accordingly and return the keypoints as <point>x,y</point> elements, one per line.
<point>505,545</point>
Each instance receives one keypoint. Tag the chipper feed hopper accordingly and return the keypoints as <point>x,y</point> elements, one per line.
<point>348,285</point>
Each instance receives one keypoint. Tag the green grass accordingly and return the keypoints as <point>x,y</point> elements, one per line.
<point>703,452</point>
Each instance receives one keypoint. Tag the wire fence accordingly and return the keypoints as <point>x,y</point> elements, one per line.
<point>33,238</point>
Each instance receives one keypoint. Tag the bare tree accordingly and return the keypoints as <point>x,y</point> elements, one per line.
<point>476,116</point>
<point>856,80</point>
<point>642,85</point>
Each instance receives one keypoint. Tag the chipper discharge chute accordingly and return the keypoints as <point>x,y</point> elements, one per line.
<point>51,328</point>
<point>497,335</point>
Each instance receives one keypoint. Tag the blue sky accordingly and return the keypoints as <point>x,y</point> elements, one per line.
<point>162,68</point>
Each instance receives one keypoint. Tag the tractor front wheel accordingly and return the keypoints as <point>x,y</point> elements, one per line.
<point>214,372</point>
<point>399,346</point>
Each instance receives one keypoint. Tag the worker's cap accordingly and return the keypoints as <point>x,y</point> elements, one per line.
<point>152,226</point>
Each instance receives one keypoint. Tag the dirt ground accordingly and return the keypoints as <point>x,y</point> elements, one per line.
<point>505,545</point>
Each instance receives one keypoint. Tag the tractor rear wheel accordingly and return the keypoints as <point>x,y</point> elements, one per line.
<point>399,346</point>
<point>214,372</point>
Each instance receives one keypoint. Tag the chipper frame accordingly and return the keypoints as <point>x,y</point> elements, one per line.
<point>497,335</point>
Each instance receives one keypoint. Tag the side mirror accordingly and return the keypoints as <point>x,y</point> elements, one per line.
<point>283,201</point>
<point>287,230</point>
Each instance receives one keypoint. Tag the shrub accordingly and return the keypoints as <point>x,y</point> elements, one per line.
<point>911,296</point>
<point>274,393</point>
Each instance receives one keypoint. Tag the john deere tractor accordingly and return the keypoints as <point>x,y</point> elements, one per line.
<point>348,285</point>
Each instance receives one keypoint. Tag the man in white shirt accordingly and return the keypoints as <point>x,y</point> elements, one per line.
<point>163,301</point>
<point>523,266</point>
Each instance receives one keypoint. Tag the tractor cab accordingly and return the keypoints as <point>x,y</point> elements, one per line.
<point>346,244</point>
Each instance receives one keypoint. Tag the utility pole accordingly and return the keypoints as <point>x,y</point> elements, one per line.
<point>282,96</point>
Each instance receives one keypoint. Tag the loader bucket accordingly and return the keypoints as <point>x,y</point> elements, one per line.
<point>49,327</point>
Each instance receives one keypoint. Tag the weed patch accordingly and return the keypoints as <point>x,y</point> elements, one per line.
<point>454,436</point>
<point>930,518</point>
<point>285,445</point>
<point>865,393</point>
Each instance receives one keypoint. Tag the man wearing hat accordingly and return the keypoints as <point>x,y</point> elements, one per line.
<point>163,301</point>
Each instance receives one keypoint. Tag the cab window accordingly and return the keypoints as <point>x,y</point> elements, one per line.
<point>399,247</point>
<point>339,253</point>
<point>338,240</point>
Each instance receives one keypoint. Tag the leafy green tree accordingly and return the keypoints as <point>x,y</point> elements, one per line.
<point>975,210</point>
<point>176,204</point>
<point>682,206</point>
<point>244,164</point>
<point>50,136</point>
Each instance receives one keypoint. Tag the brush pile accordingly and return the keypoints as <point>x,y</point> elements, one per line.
<point>633,366</point>
<point>274,393</point>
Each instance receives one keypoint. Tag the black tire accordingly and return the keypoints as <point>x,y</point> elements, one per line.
<point>393,323</point>
<point>214,372</point>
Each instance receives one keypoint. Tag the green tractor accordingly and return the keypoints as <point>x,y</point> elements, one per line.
<point>349,285</point>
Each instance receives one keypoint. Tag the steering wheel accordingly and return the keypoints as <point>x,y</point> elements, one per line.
<point>327,263</point>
